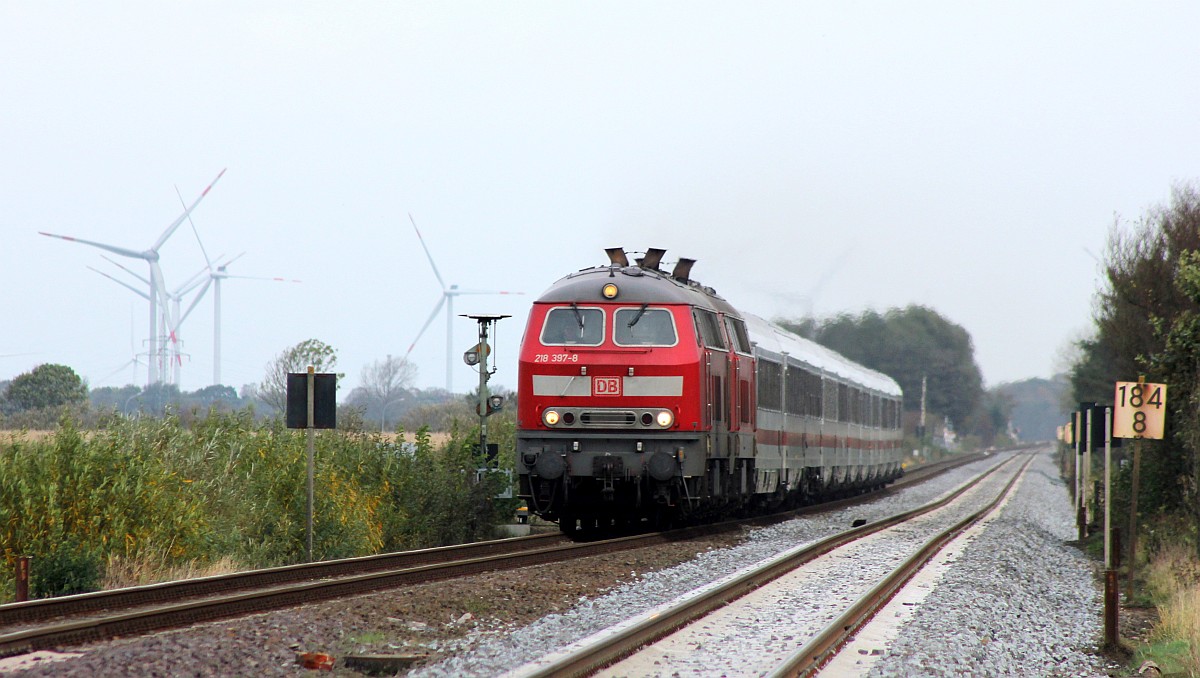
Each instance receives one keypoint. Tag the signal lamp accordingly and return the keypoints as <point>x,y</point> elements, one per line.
<point>550,417</point>
<point>609,291</point>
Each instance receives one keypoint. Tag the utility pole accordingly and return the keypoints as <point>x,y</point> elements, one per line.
<point>921,426</point>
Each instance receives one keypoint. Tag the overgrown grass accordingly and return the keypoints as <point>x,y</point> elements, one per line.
<point>152,499</point>
<point>1172,581</point>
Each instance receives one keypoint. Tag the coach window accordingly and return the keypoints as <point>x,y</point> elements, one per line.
<point>643,326</point>
<point>795,389</point>
<point>830,410</point>
<point>573,326</point>
<point>770,377</point>
<point>844,413</point>
<point>708,328</point>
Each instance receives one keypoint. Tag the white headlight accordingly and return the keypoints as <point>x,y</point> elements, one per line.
<point>665,418</point>
<point>550,417</point>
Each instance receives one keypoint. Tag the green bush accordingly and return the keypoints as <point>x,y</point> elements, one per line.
<point>71,568</point>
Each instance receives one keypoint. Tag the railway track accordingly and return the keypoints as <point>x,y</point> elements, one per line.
<point>72,620</point>
<point>607,648</point>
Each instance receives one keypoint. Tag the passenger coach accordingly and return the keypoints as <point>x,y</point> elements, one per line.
<point>644,398</point>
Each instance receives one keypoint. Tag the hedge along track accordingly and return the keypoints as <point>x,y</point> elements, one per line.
<point>168,605</point>
<point>611,645</point>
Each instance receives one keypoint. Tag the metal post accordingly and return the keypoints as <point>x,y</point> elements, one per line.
<point>1088,491</point>
<point>1133,498</point>
<point>1107,488</point>
<point>22,582</point>
<point>311,431</point>
<point>1112,602</point>
<point>1079,457</point>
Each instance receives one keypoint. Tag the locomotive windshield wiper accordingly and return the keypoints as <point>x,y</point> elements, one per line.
<point>637,317</point>
<point>578,318</point>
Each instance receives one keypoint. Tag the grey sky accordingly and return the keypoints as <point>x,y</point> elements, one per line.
<point>841,156</point>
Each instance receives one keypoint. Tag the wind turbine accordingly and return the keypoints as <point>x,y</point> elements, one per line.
<point>158,290</point>
<point>447,300</point>
<point>214,278</point>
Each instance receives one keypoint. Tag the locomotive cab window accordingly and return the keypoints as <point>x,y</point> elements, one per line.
<point>644,326</point>
<point>738,334</point>
<point>708,329</point>
<point>573,326</point>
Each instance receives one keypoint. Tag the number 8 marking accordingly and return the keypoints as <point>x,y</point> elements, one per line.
<point>1135,397</point>
<point>1139,422</point>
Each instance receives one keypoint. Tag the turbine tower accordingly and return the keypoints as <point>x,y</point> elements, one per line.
<point>447,300</point>
<point>158,289</point>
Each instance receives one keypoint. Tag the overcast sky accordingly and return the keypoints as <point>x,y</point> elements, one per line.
<point>831,156</point>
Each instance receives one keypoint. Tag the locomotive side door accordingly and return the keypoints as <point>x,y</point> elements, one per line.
<point>716,378</point>
<point>741,388</point>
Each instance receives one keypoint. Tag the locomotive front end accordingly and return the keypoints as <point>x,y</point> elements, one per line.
<point>607,413</point>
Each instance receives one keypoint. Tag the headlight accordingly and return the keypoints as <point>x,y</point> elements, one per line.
<point>665,418</point>
<point>550,417</point>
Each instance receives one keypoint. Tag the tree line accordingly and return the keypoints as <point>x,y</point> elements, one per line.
<point>921,350</point>
<point>39,398</point>
<point>1147,323</point>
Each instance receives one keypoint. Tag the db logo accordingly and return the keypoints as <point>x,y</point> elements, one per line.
<point>606,386</point>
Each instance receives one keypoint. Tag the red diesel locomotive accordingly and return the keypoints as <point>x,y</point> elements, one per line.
<point>644,398</point>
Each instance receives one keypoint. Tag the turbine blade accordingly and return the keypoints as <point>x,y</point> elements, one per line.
<point>128,270</point>
<point>436,309</point>
<point>119,370</point>
<point>194,281</point>
<point>123,251</point>
<point>239,256</point>
<point>196,300</point>
<point>186,213</point>
<point>122,283</point>
<point>427,254</point>
<point>194,231</point>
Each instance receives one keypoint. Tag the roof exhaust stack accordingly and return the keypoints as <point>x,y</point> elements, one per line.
<point>653,256</point>
<point>683,269</point>
<point>616,256</point>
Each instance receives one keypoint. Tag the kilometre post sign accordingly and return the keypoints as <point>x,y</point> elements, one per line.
<point>1140,410</point>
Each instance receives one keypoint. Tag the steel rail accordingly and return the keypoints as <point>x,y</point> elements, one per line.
<point>623,640</point>
<point>808,660</point>
<point>232,605</point>
<point>168,592</point>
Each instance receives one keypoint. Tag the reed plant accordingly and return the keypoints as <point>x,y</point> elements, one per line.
<point>150,499</point>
